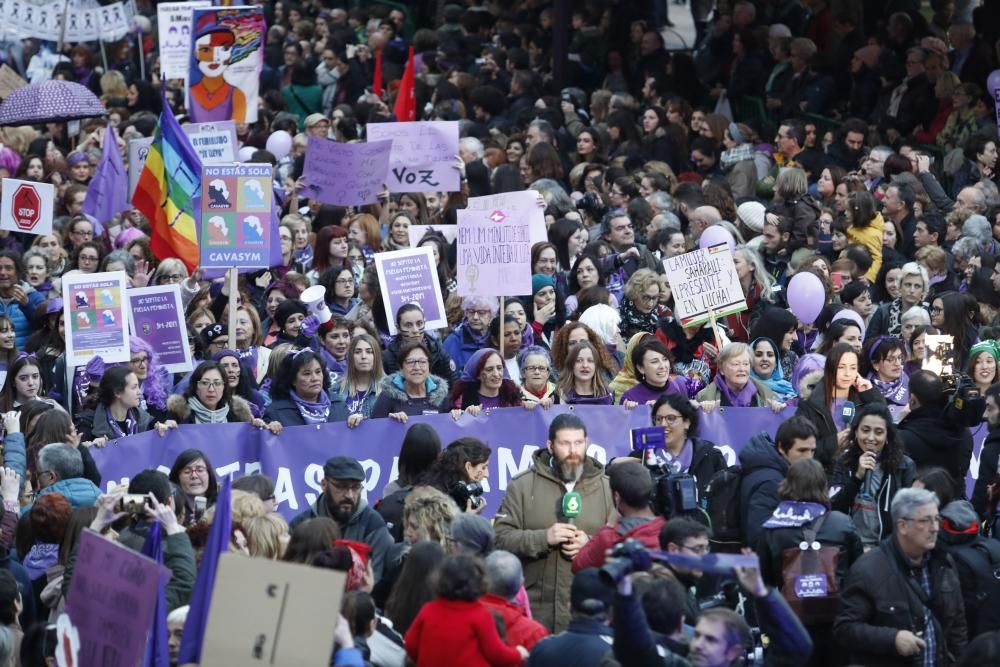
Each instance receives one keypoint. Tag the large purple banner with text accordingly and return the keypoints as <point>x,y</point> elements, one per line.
<point>295,458</point>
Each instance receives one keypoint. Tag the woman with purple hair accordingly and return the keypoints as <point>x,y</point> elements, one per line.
<point>154,380</point>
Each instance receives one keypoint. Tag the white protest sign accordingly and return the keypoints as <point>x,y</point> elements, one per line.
<point>410,276</point>
<point>137,151</point>
<point>290,625</point>
<point>494,252</point>
<point>704,284</point>
<point>174,24</point>
<point>215,143</point>
<point>423,155</point>
<point>27,206</point>
<point>524,202</point>
<point>96,322</point>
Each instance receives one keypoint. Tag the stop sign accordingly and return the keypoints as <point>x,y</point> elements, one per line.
<point>26,208</point>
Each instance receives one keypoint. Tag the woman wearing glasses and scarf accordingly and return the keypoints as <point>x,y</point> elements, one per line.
<point>301,393</point>
<point>208,399</point>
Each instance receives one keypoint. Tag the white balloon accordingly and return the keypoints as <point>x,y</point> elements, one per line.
<point>279,144</point>
<point>246,153</point>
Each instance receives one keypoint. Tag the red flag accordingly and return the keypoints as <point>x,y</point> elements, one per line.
<point>406,99</point>
<point>377,79</point>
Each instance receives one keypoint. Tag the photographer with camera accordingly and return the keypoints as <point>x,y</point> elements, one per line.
<point>935,432</point>
<point>459,472</point>
<point>548,513</point>
<point>150,500</point>
<point>632,491</point>
<point>721,636</point>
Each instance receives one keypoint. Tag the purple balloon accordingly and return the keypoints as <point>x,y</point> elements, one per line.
<point>993,82</point>
<point>715,235</point>
<point>806,297</point>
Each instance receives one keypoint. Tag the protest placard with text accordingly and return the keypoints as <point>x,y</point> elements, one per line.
<point>27,206</point>
<point>423,155</point>
<point>215,143</point>
<point>410,276</point>
<point>156,315</point>
<point>494,252</point>
<point>96,323</point>
<point>236,216</point>
<point>174,25</point>
<point>524,202</point>
<point>291,625</point>
<point>704,284</point>
<point>345,174</point>
<point>110,601</point>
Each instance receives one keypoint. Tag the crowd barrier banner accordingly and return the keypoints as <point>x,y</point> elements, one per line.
<point>294,459</point>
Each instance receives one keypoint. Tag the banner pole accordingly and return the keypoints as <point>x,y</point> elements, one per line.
<point>715,331</point>
<point>233,292</point>
<point>503,359</point>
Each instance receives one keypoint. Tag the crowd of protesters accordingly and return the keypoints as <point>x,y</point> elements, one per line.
<point>853,141</point>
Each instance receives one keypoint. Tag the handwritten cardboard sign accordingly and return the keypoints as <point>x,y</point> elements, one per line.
<point>214,142</point>
<point>345,174</point>
<point>704,284</point>
<point>524,202</point>
<point>156,315</point>
<point>110,601</point>
<point>423,155</point>
<point>410,276</point>
<point>96,323</point>
<point>267,612</point>
<point>174,23</point>
<point>494,252</point>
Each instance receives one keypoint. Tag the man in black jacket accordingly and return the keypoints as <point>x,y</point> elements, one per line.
<point>930,434</point>
<point>902,600</point>
<point>985,493</point>
<point>588,638</point>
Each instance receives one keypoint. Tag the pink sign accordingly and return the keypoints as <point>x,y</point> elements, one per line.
<point>494,252</point>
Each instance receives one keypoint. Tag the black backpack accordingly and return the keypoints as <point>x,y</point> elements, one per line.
<point>724,509</point>
<point>978,565</point>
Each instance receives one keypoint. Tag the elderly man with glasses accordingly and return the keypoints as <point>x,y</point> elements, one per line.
<point>902,602</point>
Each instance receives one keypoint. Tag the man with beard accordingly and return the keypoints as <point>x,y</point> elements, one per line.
<point>343,483</point>
<point>848,150</point>
<point>548,513</point>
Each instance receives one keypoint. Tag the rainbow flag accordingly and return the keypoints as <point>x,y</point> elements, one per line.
<point>169,192</point>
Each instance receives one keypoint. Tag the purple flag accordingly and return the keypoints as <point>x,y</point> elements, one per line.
<point>201,596</point>
<point>157,650</point>
<point>107,193</point>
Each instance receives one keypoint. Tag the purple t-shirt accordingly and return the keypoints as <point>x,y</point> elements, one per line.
<point>642,394</point>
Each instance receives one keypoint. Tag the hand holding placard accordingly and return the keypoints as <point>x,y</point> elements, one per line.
<point>345,174</point>
<point>423,155</point>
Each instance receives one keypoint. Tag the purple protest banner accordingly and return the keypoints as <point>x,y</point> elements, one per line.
<point>494,252</point>
<point>156,314</point>
<point>295,458</point>
<point>423,155</point>
<point>236,216</point>
<point>410,276</point>
<point>345,174</point>
<point>95,317</point>
<point>110,601</point>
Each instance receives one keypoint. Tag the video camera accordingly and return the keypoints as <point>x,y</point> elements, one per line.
<point>674,493</point>
<point>966,405</point>
<point>591,205</point>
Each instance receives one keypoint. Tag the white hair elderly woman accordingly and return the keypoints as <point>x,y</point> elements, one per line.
<point>913,286</point>
<point>473,333</point>
<point>733,385</point>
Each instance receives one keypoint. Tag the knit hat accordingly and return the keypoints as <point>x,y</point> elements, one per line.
<point>852,317</point>
<point>807,365</point>
<point>589,593</point>
<point>735,134</point>
<point>473,533</point>
<point>211,332</point>
<point>991,346</point>
<point>539,282</point>
<point>869,55</point>
<point>934,45</point>
<point>958,516</point>
<point>779,30</point>
<point>314,118</point>
<point>751,214</point>
<point>286,309</point>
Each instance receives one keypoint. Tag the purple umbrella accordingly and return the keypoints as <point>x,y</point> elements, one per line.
<point>50,102</point>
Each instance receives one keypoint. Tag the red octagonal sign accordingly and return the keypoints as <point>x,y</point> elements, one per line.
<point>26,207</point>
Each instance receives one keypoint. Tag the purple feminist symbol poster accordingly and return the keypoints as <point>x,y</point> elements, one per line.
<point>156,315</point>
<point>410,276</point>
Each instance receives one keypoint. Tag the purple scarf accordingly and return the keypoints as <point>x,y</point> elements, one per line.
<point>573,398</point>
<point>742,399</point>
<point>131,423</point>
<point>896,393</point>
<point>312,413</point>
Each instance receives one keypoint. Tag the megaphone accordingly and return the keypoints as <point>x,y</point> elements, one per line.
<point>314,299</point>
